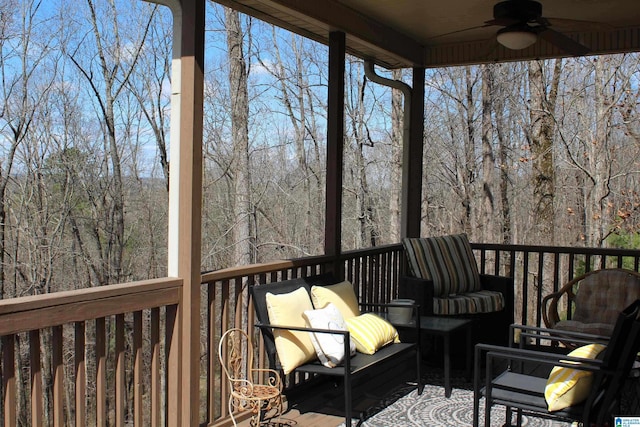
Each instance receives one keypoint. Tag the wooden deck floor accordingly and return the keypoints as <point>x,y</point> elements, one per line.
<point>321,404</point>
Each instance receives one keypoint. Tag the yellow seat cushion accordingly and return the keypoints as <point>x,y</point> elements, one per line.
<point>341,295</point>
<point>294,347</point>
<point>566,386</point>
<point>371,332</point>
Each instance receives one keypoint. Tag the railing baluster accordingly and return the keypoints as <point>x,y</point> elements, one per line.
<point>172,363</point>
<point>556,271</point>
<point>540,287</point>
<point>525,287</point>
<point>58,376</point>
<point>37,413</point>
<point>101,373</point>
<point>80,374</point>
<point>137,369</point>
<point>120,371</point>
<point>212,339</point>
<point>154,337</point>
<point>9,379</point>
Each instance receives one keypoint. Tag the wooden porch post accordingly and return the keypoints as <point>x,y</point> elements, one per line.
<point>185,207</point>
<point>412,162</point>
<point>335,149</point>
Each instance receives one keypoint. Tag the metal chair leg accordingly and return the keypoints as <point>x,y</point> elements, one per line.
<point>233,419</point>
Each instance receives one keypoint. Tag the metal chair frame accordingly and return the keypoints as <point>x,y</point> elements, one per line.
<point>235,353</point>
<point>524,392</point>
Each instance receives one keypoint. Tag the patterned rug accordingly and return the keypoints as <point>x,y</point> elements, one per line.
<point>405,408</point>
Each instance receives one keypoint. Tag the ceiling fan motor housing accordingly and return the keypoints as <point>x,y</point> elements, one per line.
<point>517,10</point>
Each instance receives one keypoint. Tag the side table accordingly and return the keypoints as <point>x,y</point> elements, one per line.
<point>445,327</point>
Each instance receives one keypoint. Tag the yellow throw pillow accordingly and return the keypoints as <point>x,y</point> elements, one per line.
<point>566,386</point>
<point>294,347</point>
<point>341,295</point>
<point>371,332</point>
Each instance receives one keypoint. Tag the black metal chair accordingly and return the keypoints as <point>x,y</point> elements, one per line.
<point>522,390</point>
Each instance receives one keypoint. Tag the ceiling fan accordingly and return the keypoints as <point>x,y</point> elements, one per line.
<point>522,24</point>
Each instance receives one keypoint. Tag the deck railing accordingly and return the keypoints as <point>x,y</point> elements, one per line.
<point>96,356</point>
<point>375,273</point>
<point>108,355</point>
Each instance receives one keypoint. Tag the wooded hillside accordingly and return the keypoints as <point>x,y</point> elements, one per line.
<point>532,153</point>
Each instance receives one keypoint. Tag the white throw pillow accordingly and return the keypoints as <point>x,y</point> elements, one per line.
<point>329,347</point>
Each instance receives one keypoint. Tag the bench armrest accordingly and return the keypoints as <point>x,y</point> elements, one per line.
<point>302,329</point>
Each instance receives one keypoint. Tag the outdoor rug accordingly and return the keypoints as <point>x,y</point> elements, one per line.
<point>405,408</point>
<point>432,409</point>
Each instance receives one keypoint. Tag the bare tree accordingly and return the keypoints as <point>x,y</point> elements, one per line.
<point>244,239</point>
<point>486,218</point>
<point>541,137</point>
<point>358,139</point>
<point>115,60</point>
<point>454,132</point>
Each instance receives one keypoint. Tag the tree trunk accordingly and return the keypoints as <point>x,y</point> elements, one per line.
<point>243,238</point>
<point>541,140</point>
<point>506,234</point>
<point>469,168</point>
<point>486,220</point>
<point>598,158</point>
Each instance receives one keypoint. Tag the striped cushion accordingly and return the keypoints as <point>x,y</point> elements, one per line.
<point>446,260</point>
<point>469,303</point>
<point>567,387</point>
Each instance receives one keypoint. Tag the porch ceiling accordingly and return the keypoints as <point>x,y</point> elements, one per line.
<point>407,33</point>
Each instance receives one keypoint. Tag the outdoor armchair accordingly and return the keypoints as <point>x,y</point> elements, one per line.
<point>445,281</point>
<point>583,386</point>
<point>591,302</point>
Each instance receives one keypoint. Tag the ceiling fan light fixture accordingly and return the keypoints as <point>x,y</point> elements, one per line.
<point>516,38</point>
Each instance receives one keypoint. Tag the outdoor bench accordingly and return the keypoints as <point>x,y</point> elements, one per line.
<point>351,367</point>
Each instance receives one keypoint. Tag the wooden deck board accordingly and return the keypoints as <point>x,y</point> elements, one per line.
<point>321,404</point>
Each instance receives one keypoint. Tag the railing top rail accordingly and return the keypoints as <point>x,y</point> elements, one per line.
<point>78,297</point>
<point>268,267</point>
<point>556,249</point>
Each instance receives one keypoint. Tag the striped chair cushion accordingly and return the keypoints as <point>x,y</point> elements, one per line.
<point>469,303</point>
<point>446,260</point>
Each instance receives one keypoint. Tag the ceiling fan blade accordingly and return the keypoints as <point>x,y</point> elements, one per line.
<point>458,31</point>
<point>563,42</point>
<point>577,25</point>
<point>503,22</point>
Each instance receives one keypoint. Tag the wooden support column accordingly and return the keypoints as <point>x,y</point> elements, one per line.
<point>185,209</point>
<point>412,162</point>
<point>335,148</point>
